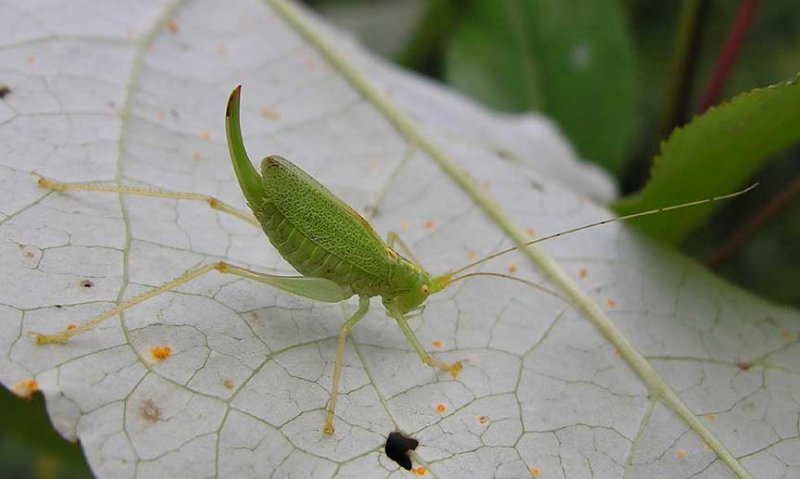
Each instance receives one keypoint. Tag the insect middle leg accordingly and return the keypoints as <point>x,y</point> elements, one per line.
<point>214,203</point>
<point>426,358</point>
<point>363,307</point>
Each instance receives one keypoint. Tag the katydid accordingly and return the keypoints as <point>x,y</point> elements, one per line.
<point>335,249</point>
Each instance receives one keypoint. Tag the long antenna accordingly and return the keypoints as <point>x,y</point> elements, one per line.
<point>600,223</point>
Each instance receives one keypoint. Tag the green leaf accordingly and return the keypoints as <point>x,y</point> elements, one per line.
<point>27,430</point>
<point>571,60</point>
<point>715,154</point>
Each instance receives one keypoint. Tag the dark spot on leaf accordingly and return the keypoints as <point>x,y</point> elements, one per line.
<point>59,306</point>
<point>397,447</point>
<point>504,154</point>
<point>744,365</point>
<point>86,283</point>
<point>150,411</point>
<point>4,90</point>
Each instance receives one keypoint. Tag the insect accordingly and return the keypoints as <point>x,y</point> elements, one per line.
<point>336,251</point>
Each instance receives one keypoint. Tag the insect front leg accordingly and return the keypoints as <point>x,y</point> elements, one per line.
<point>313,288</point>
<point>363,307</point>
<point>213,203</point>
<point>426,358</point>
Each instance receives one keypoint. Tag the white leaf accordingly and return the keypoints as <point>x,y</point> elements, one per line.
<point>134,92</point>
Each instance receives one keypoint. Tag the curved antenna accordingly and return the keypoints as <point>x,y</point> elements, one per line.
<point>592,225</point>
<point>508,276</point>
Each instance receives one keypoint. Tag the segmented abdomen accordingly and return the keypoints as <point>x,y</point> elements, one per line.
<point>308,258</point>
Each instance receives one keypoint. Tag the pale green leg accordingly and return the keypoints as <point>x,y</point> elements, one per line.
<point>426,358</point>
<point>393,238</point>
<point>363,307</point>
<point>314,288</point>
<point>212,202</point>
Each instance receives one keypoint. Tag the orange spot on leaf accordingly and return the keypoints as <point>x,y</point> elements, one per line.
<point>788,336</point>
<point>71,326</point>
<point>429,225</point>
<point>161,353</point>
<point>436,344</point>
<point>711,417</point>
<point>531,232</point>
<point>611,304</point>
<point>270,114</point>
<point>680,454</point>
<point>441,408</point>
<point>196,155</point>
<point>582,272</point>
<point>172,27</point>
<point>228,383</point>
<point>535,471</point>
<point>25,388</point>
<point>472,254</point>
<point>404,226</point>
<point>616,352</point>
<point>483,419</point>
<point>512,268</point>
<point>204,134</point>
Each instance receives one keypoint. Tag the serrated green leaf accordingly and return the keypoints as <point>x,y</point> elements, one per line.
<point>716,153</point>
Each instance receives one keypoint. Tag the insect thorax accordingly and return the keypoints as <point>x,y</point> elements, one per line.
<point>408,285</point>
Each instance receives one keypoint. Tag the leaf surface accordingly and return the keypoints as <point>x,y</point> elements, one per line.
<point>138,97</point>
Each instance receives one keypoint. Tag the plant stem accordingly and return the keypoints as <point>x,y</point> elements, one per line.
<point>691,22</point>
<point>730,51</point>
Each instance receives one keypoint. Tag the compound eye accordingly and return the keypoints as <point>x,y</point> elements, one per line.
<point>426,290</point>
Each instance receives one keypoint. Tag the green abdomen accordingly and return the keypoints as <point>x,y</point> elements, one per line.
<point>317,233</point>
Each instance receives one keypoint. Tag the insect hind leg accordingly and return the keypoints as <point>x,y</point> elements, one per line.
<point>212,202</point>
<point>314,288</point>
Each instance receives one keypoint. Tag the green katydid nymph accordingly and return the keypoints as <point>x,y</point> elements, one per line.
<point>336,251</point>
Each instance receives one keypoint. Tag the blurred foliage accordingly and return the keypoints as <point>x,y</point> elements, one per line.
<point>30,447</point>
<point>553,57</point>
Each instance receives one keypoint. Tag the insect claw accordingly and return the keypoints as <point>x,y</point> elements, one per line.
<point>456,367</point>
<point>42,339</point>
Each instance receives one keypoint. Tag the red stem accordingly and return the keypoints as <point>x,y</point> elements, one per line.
<point>744,18</point>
